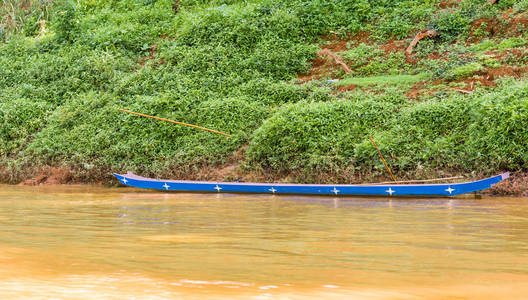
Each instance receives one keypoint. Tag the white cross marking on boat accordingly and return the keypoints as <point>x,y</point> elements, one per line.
<point>272,190</point>
<point>124,180</point>
<point>450,190</point>
<point>390,191</point>
<point>217,188</point>
<point>335,190</point>
<point>166,186</point>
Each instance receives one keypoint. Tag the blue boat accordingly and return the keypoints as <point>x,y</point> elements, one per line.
<point>388,189</point>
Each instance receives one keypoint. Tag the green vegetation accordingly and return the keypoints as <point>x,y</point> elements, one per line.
<point>482,132</point>
<point>479,132</point>
<point>465,70</point>
<point>383,80</point>
<point>23,16</point>
<point>361,55</point>
<point>509,43</point>
<point>232,66</point>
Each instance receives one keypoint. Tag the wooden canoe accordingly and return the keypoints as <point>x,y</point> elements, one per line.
<point>443,189</point>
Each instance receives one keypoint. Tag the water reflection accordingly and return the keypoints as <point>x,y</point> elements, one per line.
<point>76,241</point>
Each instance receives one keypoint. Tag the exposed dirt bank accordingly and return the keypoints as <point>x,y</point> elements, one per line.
<point>516,185</point>
<point>507,62</point>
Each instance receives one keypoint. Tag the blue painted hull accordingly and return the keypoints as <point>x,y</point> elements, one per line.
<point>311,189</point>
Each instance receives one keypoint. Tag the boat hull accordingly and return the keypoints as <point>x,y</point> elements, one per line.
<point>454,189</point>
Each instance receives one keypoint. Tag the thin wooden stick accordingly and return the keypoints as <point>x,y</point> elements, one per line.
<point>175,122</point>
<point>383,159</point>
<point>411,181</point>
<point>336,59</point>
<point>424,180</point>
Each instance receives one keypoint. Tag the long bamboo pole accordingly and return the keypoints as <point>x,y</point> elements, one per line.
<point>412,181</point>
<point>424,180</point>
<point>383,159</point>
<point>175,122</point>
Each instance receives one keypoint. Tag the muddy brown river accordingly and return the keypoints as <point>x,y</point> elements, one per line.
<point>82,242</point>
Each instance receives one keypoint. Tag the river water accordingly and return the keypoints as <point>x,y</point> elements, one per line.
<point>79,242</point>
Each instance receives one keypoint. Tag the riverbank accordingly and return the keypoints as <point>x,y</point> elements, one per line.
<point>516,185</point>
<point>299,85</point>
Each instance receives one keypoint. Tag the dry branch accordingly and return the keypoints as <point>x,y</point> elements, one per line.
<point>422,34</point>
<point>336,59</point>
<point>462,91</point>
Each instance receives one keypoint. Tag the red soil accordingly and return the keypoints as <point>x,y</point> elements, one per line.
<point>437,56</point>
<point>50,176</point>
<point>362,37</point>
<point>507,25</point>
<point>488,77</point>
<point>511,71</point>
<point>345,88</point>
<point>484,78</point>
<point>448,4</point>
<point>420,88</point>
<point>325,66</point>
<point>492,27</point>
<point>321,67</point>
<point>335,45</point>
<point>393,46</point>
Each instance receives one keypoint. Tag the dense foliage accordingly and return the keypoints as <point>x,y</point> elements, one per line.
<point>486,131</point>
<point>230,65</point>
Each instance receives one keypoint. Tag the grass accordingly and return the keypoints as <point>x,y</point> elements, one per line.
<point>465,70</point>
<point>383,80</point>
<point>508,43</point>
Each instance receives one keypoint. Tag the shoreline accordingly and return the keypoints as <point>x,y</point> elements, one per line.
<point>515,186</point>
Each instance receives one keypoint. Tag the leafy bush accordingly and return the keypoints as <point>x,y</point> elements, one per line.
<point>360,55</point>
<point>20,118</point>
<point>427,135</point>
<point>497,137</point>
<point>484,45</point>
<point>89,129</point>
<point>65,20</point>
<point>273,93</point>
<point>450,24</point>
<point>307,136</point>
<point>485,132</point>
